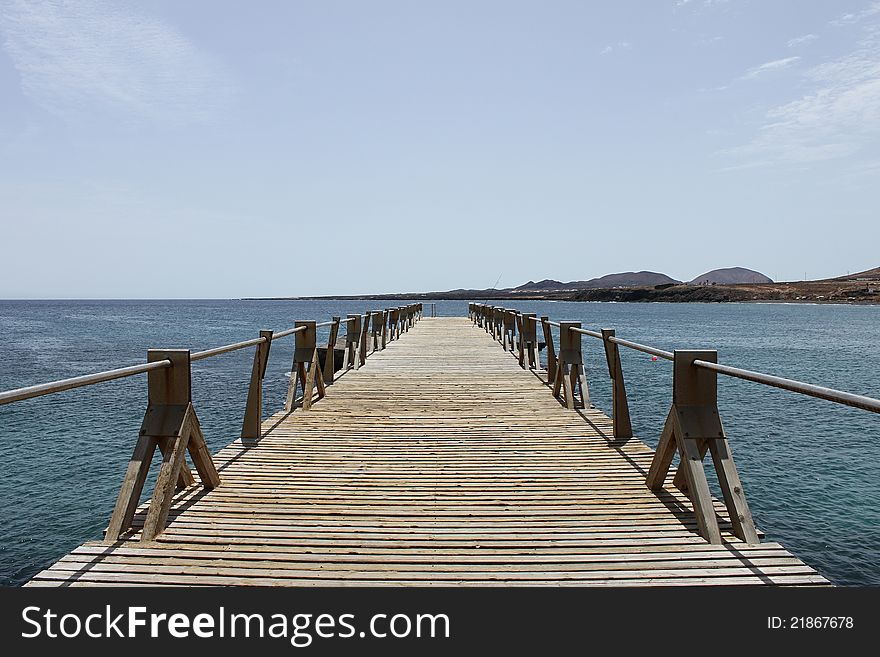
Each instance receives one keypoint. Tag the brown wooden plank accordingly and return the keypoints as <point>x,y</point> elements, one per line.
<point>440,461</point>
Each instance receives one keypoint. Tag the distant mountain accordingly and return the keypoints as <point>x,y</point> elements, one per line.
<point>731,276</point>
<point>546,284</point>
<point>868,275</point>
<point>624,279</point>
<point>628,279</point>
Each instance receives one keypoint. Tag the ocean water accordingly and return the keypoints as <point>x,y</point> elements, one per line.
<point>810,468</point>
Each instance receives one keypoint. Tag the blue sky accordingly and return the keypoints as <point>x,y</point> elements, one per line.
<point>209,149</point>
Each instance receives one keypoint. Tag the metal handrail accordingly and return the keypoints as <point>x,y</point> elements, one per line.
<point>29,392</point>
<point>791,385</point>
<point>286,332</point>
<point>592,334</point>
<point>41,389</point>
<point>225,349</point>
<point>821,392</point>
<point>660,353</point>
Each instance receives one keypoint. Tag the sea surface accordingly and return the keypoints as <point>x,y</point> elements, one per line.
<point>810,468</point>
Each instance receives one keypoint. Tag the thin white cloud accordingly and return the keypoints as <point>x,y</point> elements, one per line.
<point>801,40</point>
<point>620,45</point>
<point>91,57</point>
<point>775,65</point>
<point>696,3</point>
<point>839,115</point>
<point>854,17</point>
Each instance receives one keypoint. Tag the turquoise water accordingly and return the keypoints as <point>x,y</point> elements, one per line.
<point>810,468</point>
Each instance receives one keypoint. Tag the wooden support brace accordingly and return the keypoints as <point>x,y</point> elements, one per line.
<point>521,347</point>
<point>694,427</point>
<point>201,455</point>
<point>330,358</point>
<point>570,368</point>
<point>510,329</point>
<point>305,371</point>
<point>528,336</point>
<point>376,328</point>
<point>253,412</point>
<point>551,350</point>
<point>314,379</point>
<point>163,494</point>
<point>352,341</point>
<point>170,423</point>
<point>185,477</point>
<point>362,356</point>
<point>619,404</point>
<point>131,489</point>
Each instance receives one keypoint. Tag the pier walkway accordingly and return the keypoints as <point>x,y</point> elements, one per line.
<point>441,461</point>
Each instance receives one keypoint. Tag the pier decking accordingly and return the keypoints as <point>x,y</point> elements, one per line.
<point>440,462</point>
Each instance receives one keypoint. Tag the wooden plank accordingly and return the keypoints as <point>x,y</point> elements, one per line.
<point>403,476</point>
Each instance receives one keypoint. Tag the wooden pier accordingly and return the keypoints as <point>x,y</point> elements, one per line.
<point>443,460</point>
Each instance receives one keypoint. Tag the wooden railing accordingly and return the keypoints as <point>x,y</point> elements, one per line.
<point>170,422</point>
<point>693,425</point>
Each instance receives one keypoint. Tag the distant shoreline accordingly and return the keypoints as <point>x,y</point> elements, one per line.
<point>870,301</point>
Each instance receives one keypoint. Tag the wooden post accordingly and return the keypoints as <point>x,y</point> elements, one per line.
<point>346,354</point>
<point>352,339</point>
<point>305,370</point>
<point>570,367</point>
<point>528,342</point>
<point>551,350</point>
<point>330,358</point>
<point>363,341</point>
<point>521,350</point>
<point>692,427</point>
<point>395,319</point>
<point>253,413</point>
<point>509,330</point>
<point>170,423</point>
<point>375,328</point>
<point>619,403</point>
<point>514,335</point>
